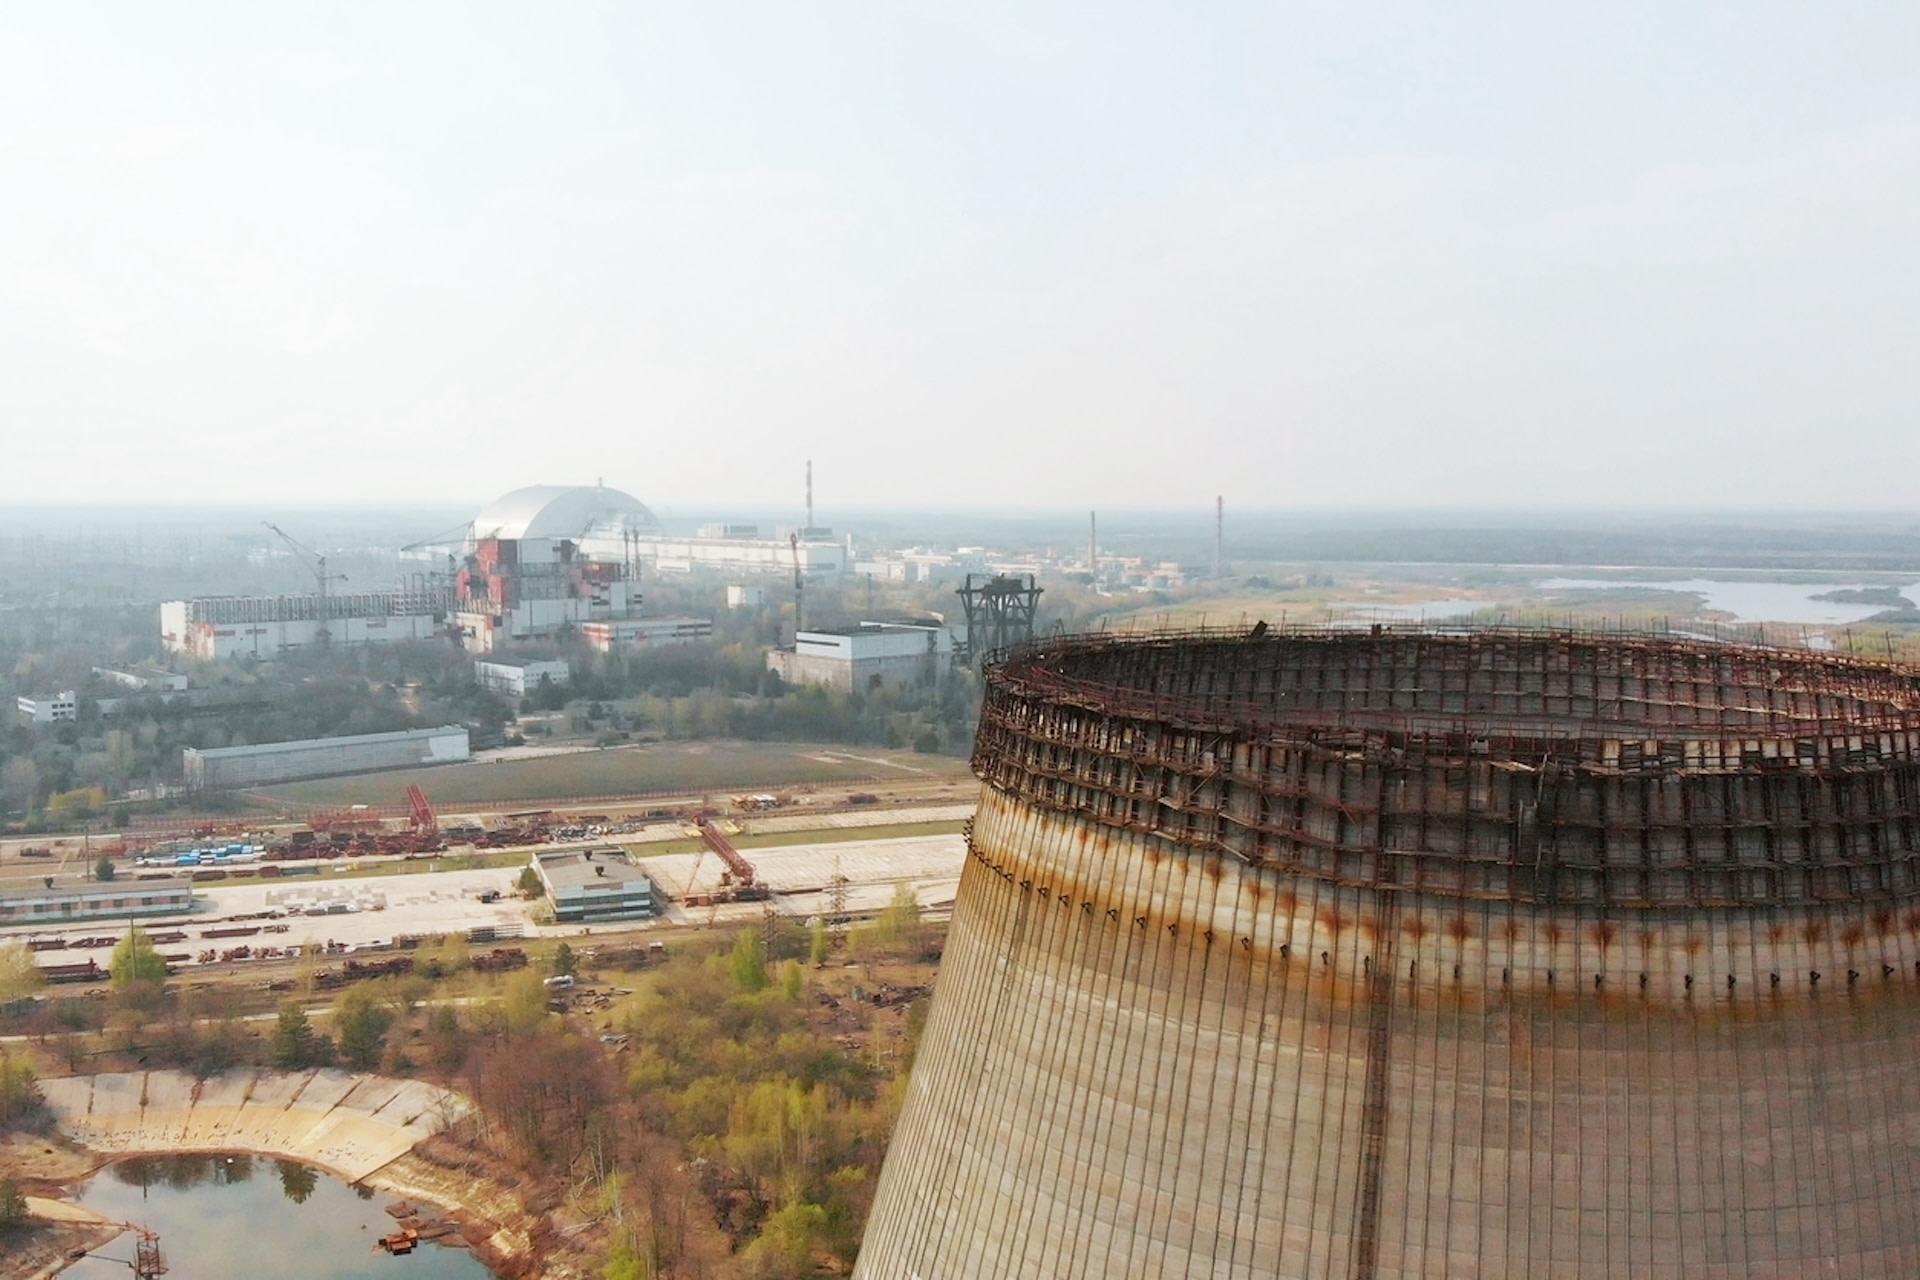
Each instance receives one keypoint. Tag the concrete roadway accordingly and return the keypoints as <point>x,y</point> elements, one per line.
<point>433,901</point>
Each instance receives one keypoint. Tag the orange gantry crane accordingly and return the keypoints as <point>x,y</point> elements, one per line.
<point>740,882</point>
<point>421,818</point>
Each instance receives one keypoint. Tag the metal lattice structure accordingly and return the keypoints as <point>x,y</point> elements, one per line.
<point>1347,954</point>
<point>1000,612</point>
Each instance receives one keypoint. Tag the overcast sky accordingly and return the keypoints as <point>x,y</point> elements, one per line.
<point>966,254</point>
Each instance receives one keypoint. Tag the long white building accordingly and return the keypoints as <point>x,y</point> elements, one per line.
<point>223,767</point>
<point>818,557</point>
<point>212,628</point>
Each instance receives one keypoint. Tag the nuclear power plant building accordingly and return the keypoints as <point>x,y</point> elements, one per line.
<point>1369,955</point>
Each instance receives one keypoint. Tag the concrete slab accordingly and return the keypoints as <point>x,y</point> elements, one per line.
<point>349,1124</point>
<point>324,1089</point>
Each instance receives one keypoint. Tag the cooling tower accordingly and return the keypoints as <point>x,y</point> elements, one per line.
<point>1338,954</point>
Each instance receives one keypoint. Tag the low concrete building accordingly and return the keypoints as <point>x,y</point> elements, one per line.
<point>104,900</point>
<point>517,677</point>
<point>322,757</point>
<point>47,708</point>
<point>595,884</point>
<point>620,635</point>
<point>869,656</point>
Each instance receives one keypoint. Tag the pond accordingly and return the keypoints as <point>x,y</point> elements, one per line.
<point>240,1217</point>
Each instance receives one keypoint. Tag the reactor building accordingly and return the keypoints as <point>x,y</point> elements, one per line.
<point>1380,954</point>
<point>535,563</point>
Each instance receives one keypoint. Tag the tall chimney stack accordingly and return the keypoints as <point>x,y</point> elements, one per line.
<point>1219,533</point>
<point>1093,544</point>
<point>809,496</point>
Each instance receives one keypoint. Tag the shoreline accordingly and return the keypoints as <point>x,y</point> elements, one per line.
<point>362,1128</point>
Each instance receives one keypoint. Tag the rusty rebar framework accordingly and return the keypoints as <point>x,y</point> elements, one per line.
<point>1383,955</point>
<point>1545,767</point>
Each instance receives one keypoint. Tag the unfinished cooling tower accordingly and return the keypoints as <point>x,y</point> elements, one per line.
<point>1476,955</point>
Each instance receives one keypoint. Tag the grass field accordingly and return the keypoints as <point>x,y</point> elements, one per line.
<point>676,768</point>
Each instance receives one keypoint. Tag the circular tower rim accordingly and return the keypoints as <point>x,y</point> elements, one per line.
<point>1557,767</point>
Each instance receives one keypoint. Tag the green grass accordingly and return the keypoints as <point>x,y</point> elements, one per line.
<point>678,768</point>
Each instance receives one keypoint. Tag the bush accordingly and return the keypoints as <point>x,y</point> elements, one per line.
<point>134,960</point>
<point>19,1089</point>
<point>294,1043</point>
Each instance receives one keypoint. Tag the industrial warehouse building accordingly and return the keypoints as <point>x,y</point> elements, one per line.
<point>1512,954</point>
<point>114,899</point>
<point>595,884</point>
<point>869,656</point>
<point>224,767</point>
<point>213,628</point>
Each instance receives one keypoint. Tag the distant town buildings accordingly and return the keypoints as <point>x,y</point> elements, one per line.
<point>46,708</point>
<point>566,561</point>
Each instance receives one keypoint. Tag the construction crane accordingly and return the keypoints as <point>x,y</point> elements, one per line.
<point>445,538</point>
<point>317,565</point>
<point>741,876</point>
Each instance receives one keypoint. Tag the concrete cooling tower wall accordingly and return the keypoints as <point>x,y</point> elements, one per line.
<point>1393,955</point>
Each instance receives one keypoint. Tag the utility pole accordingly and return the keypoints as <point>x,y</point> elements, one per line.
<point>799,587</point>
<point>837,907</point>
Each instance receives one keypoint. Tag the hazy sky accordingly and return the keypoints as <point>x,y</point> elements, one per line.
<point>973,253</point>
